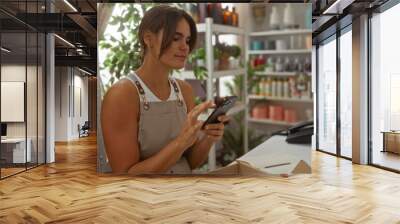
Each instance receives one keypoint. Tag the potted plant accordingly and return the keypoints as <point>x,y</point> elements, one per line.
<point>217,55</point>
<point>197,62</point>
<point>235,53</point>
<point>224,56</point>
<point>233,143</point>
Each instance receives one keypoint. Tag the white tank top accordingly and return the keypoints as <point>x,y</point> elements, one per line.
<point>151,97</point>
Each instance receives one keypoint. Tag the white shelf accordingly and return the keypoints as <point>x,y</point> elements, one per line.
<point>184,74</point>
<point>220,29</point>
<point>281,32</point>
<point>256,97</point>
<point>272,122</point>
<point>284,74</point>
<point>216,74</point>
<point>292,51</point>
<point>233,72</point>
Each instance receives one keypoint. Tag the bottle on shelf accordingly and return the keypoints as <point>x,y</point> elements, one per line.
<point>273,88</point>
<point>307,65</point>
<point>296,63</point>
<point>260,62</point>
<point>279,65</point>
<point>262,87</point>
<point>279,88</point>
<point>286,88</point>
<point>217,13</point>
<point>309,93</point>
<point>274,19</point>
<point>301,67</point>
<point>194,11</point>
<point>210,9</point>
<point>288,17</point>
<point>288,64</point>
<point>202,12</point>
<point>268,87</point>
<point>235,17</point>
<point>292,87</point>
<point>227,16</point>
<point>270,65</point>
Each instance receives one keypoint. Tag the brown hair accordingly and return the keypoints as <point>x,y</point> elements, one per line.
<point>165,17</point>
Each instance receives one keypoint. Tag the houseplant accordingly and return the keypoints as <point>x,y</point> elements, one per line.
<point>233,142</point>
<point>123,53</point>
<point>235,55</point>
<point>233,137</point>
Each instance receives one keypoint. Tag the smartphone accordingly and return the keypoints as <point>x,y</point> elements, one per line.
<point>222,108</point>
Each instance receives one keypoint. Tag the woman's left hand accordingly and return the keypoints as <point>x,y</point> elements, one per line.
<point>215,132</point>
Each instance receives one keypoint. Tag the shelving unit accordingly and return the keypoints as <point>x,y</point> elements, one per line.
<point>280,32</point>
<point>278,74</point>
<point>297,102</point>
<point>216,74</point>
<point>281,52</point>
<point>257,97</point>
<point>210,29</point>
<point>270,122</point>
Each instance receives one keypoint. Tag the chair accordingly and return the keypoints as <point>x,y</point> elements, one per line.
<point>84,130</point>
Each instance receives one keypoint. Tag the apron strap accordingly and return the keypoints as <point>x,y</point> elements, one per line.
<point>176,90</point>
<point>142,95</point>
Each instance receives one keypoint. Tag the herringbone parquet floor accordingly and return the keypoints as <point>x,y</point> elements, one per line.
<point>70,191</point>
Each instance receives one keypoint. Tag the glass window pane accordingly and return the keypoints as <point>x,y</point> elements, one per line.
<point>327,96</point>
<point>41,98</point>
<point>385,89</point>
<point>13,86</point>
<point>346,94</point>
<point>31,97</point>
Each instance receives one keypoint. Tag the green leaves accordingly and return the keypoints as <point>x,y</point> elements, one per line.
<point>124,53</point>
<point>233,140</point>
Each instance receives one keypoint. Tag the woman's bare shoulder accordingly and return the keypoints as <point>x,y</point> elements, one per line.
<point>121,97</point>
<point>121,91</point>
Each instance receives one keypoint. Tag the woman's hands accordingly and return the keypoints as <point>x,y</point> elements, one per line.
<point>188,135</point>
<point>215,132</point>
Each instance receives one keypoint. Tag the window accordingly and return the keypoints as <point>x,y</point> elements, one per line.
<point>385,88</point>
<point>327,96</point>
<point>346,92</point>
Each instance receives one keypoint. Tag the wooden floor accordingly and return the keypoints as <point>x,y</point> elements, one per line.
<point>70,191</point>
<point>5,172</point>
<point>387,159</point>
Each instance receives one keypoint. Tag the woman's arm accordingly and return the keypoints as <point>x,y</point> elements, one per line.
<point>199,152</point>
<point>119,120</point>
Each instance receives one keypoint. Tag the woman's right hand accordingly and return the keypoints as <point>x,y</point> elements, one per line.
<point>188,135</point>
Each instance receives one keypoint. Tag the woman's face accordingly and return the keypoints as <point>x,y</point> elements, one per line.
<point>176,54</point>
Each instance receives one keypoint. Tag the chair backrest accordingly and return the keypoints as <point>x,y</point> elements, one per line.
<point>86,124</point>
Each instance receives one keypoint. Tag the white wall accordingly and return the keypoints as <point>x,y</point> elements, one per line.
<point>33,127</point>
<point>16,73</point>
<point>69,85</point>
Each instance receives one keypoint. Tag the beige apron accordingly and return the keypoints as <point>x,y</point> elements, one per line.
<point>159,124</point>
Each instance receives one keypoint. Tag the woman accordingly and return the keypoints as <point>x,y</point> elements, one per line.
<point>149,120</point>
